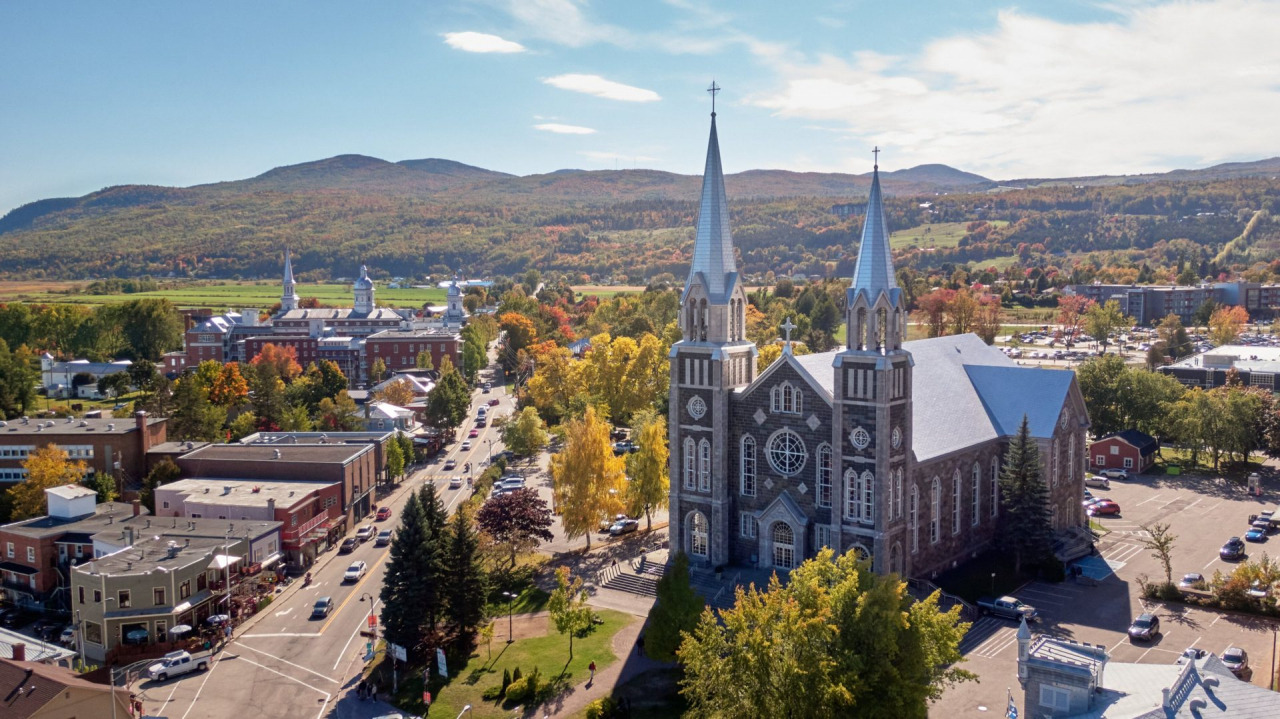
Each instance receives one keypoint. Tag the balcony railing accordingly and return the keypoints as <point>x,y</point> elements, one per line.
<point>304,528</point>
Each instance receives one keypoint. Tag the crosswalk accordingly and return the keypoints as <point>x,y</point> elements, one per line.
<point>988,637</point>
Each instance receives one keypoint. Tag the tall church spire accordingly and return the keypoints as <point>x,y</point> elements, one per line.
<point>713,245</point>
<point>874,271</point>
<point>289,295</point>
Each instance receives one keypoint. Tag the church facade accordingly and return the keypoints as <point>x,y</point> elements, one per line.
<point>888,448</point>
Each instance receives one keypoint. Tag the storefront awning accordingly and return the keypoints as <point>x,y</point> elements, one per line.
<point>18,568</point>
<point>270,561</point>
<point>222,561</point>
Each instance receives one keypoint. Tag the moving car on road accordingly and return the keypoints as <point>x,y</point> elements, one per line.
<point>623,526</point>
<point>493,402</point>
<point>1007,607</point>
<point>466,445</point>
<point>455,481</point>
<point>1233,549</point>
<point>355,572</point>
<point>473,433</point>
<point>175,663</point>
<point>348,545</point>
<point>1145,627</point>
<point>323,606</point>
<point>384,538</point>
<point>384,513</point>
<point>365,533</point>
<point>450,464</point>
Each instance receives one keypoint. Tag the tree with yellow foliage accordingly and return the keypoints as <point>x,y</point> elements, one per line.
<point>230,387</point>
<point>649,483</point>
<point>1226,324</point>
<point>399,393</point>
<point>47,467</point>
<point>556,382</point>
<point>770,353</point>
<point>589,480</point>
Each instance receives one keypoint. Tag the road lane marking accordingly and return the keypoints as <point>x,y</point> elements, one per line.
<point>327,695</point>
<point>286,661</point>
<point>353,635</point>
<point>200,688</point>
<point>284,612</point>
<point>355,590</point>
<point>280,634</point>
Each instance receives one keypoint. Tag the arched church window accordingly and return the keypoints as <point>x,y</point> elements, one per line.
<point>784,546</point>
<point>935,511</point>
<point>995,486</point>
<point>748,461</point>
<point>698,535</point>
<point>823,496</point>
<point>689,464</point>
<point>914,519</point>
<point>704,466</point>
<point>868,482</point>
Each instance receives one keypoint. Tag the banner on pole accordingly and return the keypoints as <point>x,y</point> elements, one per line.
<point>442,667</point>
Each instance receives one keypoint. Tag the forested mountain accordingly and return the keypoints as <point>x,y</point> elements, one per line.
<point>419,216</point>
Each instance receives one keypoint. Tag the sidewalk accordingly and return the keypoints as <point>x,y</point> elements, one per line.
<point>629,665</point>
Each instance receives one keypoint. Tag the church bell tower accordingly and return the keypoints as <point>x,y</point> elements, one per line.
<point>872,417</point>
<point>712,358</point>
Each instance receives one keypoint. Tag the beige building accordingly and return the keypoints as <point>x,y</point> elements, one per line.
<point>30,690</point>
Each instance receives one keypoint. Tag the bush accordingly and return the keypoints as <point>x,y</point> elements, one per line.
<point>506,680</point>
<point>493,693</point>
<point>515,675</point>
<point>602,708</point>
<point>523,689</point>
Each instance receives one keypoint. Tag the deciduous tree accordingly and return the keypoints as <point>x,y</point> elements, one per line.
<point>1100,320</point>
<point>1226,324</point>
<point>163,473</point>
<point>283,358</point>
<point>649,484</point>
<point>675,613</point>
<point>590,481</point>
<point>568,606</point>
<point>338,414</point>
<point>1174,336</point>
<point>450,401</point>
<point>423,360</point>
<point>1161,542</point>
<point>194,417</point>
<point>47,467</point>
<point>229,388</point>
<point>1071,314</point>
<point>516,520</point>
<point>526,434</point>
<point>399,393</point>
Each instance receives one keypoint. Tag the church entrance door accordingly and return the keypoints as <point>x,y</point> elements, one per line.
<point>784,546</point>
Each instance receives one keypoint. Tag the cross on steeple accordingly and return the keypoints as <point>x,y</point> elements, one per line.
<point>713,90</point>
<point>876,152</point>
<point>786,328</point>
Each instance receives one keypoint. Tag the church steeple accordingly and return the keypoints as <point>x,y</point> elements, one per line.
<point>289,296</point>
<point>876,315</point>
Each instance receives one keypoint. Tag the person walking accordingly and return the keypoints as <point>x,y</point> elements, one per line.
<point>592,680</point>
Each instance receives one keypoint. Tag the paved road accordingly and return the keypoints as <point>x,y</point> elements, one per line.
<point>284,664</point>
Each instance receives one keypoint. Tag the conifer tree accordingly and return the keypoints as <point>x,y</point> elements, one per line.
<point>433,509</point>
<point>464,577</point>
<point>405,585</point>
<point>1024,499</point>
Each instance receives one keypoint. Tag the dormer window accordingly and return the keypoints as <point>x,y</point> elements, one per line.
<point>786,399</point>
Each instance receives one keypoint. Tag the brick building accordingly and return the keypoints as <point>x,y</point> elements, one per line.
<point>887,448</point>
<point>106,445</point>
<point>399,348</point>
<point>1130,449</point>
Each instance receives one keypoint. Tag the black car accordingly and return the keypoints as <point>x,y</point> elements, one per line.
<point>1145,627</point>
<point>1233,549</point>
<point>348,545</point>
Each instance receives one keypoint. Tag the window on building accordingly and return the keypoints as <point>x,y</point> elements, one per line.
<point>82,595</point>
<point>784,546</point>
<point>868,497</point>
<point>822,536</point>
<point>852,494</point>
<point>913,518</point>
<point>786,399</point>
<point>704,466</point>
<point>1115,450</point>
<point>787,452</point>
<point>748,461</point>
<point>97,596</point>
<point>698,537</point>
<point>747,525</point>
<point>823,496</point>
<point>1055,698</point>
<point>889,504</point>
<point>897,492</point>
<point>157,596</point>
<point>8,550</point>
<point>1128,463</point>
<point>976,499</point>
<point>31,551</point>
<point>935,511</point>
<point>995,486</point>
<point>162,629</point>
<point>93,632</point>
<point>184,589</point>
<point>201,583</point>
<point>124,599</point>
<point>1099,461</point>
<point>955,502</point>
<point>689,466</point>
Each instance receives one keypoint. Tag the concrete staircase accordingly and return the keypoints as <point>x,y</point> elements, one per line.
<point>1073,543</point>
<point>641,578</point>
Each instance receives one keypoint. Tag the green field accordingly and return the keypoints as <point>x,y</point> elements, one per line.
<point>233,295</point>
<point>942,234</point>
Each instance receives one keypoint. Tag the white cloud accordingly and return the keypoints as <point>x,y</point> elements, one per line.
<point>481,42</point>
<point>563,22</point>
<point>600,87</point>
<point>1158,87</point>
<point>564,129</point>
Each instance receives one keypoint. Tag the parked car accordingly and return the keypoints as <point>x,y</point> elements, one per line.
<point>68,636</point>
<point>1088,494</point>
<point>1263,523</point>
<point>623,526</point>
<point>455,481</point>
<point>1190,654</point>
<point>1089,502</point>
<point>384,513</point>
<point>322,607</point>
<point>1255,534</point>
<point>1115,473</point>
<point>175,663</point>
<point>348,545</point>
<point>1104,506</point>
<point>355,572</point>
<point>13,618</point>
<point>1097,480</point>
<point>1145,627</point>
<point>365,533</point>
<point>384,538</point>
<point>1237,660</point>
<point>1007,607</point>
<point>1192,580</point>
<point>1233,549</point>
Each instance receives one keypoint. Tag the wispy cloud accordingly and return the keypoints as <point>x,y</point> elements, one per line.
<point>564,129</point>
<point>600,87</point>
<point>1153,88</point>
<point>481,42</point>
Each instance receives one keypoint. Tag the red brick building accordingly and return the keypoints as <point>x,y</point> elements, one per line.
<point>399,349</point>
<point>105,445</point>
<point>1130,449</point>
<point>306,347</point>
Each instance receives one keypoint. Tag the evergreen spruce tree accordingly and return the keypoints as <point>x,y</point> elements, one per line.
<point>1024,498</point>
<point>433,509</point>
<point>465,588</point>
<point>405,587</point>
<point>677,611</point>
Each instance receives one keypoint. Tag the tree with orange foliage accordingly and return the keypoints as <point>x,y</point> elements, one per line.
<point>986,322</point>
<point>1071,313</point>
<point>284,358</point>
<point>398,393</point>
<point>934,306</point>
<point>520,330</point>
<point>1226,324</point>
<point>229,387</point>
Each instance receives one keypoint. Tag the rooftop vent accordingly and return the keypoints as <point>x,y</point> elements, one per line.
<point>111,427</point>
<point>227,489</point>
<point>84,423</point>
<point>206,490</point>
<point>276,454</point>
<point>70,420</point>
<point>173,549</point>
<point>25,419</point>
<point>257,489</point>
<point>4,424</point>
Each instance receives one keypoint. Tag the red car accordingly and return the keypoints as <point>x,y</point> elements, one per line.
<point>1105,506</point>
<point>493,403</point>
<point>384,513</point>
<point>474,433</point>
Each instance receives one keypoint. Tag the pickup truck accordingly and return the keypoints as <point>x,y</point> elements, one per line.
<point>1007,607</point>
<point>175,663</point>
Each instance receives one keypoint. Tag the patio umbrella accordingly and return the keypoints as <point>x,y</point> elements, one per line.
<point>219,619</point>
<point>179,629</point>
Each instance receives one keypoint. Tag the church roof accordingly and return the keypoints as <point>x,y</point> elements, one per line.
<point>363,282</point>
<point>713,244</point>
<point>340,313</point>
<point>966,393</point>
<point>873,274</point>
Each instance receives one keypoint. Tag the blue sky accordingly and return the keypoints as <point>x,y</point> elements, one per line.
<point>94,94</point>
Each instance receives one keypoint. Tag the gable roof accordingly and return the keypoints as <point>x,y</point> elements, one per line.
<point>1141,441</point>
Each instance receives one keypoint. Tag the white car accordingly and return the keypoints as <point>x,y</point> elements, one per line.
<point>355,572</point>
<point>455,482</point>
<point>1115,473</point>
<point>1097,480</point>
<point>466,445</point>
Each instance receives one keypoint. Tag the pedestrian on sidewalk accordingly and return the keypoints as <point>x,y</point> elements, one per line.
<point>640,645</point>
<point>592,680</point>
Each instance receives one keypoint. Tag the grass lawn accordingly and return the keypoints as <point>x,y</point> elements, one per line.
<point>1182,457</point>
<point>530,600</point>
<point>548,653</point>
<point>941,234</point>
<point>235,295</point>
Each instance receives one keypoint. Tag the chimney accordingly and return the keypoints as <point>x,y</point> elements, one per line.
<point>137,507</point>
<point>271,507</point>
<point>144,437</point>
<point>19,652</point>
<point>128,536</point>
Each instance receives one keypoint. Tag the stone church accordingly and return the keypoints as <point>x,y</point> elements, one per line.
<point>888,448</point>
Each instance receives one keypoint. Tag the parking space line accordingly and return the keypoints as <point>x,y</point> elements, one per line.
<point>1211,561</point>
<point>1149,499</point>
<point>200,688</point>
<point>1189,506</point>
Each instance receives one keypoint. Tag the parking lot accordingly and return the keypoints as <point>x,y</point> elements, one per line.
<point>1203,513</point>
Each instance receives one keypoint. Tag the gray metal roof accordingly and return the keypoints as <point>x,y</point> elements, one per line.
<point>713,245</point>
<point>873,274</point>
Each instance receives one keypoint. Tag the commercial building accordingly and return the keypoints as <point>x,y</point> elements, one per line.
<point>32,690</point>
<point>1148,304</point>
<point>58,377</point>
<point>1255,366</point>
<point>378,439</point>
<point>353,466</point>
<point>114,446</point>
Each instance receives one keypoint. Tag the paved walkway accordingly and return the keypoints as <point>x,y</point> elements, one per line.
<point>630,664</point>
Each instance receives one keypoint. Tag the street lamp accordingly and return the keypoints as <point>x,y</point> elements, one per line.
<point>465,710</point>
<point>490,443</point>
<point>511,598</point>
<point>372,602</point>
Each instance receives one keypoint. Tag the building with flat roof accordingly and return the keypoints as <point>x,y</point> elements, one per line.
<point>399,348</point>
<point>1257,367</point>
<point>20,647</point>
<point>115,446</point>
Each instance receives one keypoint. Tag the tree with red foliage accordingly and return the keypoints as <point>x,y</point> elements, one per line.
<point>518,520</point>
<point>284,358</point>
<point>1071,313</point>
<point>934,305</point>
